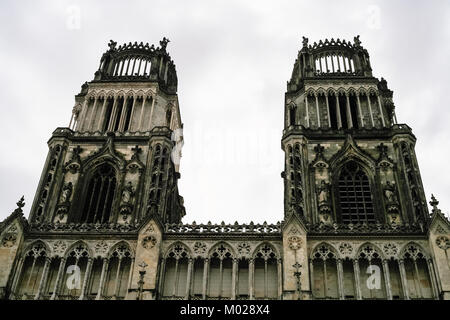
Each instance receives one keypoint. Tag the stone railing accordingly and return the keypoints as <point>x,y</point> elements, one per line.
<point>83,227</point>
<point>376,228</point>
<point>223,228</point>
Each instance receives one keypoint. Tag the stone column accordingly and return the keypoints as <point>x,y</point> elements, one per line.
<point>370,109</point>
<point>233,279</point>
<point>280,278</point>
<point>328,110</point>
<point>123,115</point>
<point>117,281</point>
<point>340,272</point>
<point>113,115</point>
<point>359,110</point>
<point>387,279</point>
<point>154,101</point>
<point>349,113</point>
<point>141,116</point>
<point>132,114</point>
<point>17,277</point>
<point>130,278</point>
<point>101,285</point>
<point>70,123</point>
<point>338,111</point>
<point>433,279</point>
<point>205,276</point>
<point>381,111</point>
<point>162,271</point>
<point>87,274</point>
<point>83,112</point>
<point>102,114</point>
<point>307,110</point>
<point>311,276</point>
<point>43,280</point>
<point>317,110</point>
<point>251,270</point>
<point>357,279</point>
<point>58,281</point>
<point>401,265</point>
<point>90,122</point>
<point>188,280</point>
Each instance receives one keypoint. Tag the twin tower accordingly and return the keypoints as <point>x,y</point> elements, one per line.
<point>106,219</point>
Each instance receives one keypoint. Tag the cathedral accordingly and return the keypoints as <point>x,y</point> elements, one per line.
<point>106,220</point>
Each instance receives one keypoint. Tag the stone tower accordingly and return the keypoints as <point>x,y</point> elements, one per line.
<point>350,169</point>
<point>113,165</point>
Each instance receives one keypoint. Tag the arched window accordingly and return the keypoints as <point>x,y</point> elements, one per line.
<point>176,273</point>
<point>354,194</point>
<point>100,195</point>
<point>32,270</point>
<point>372,281</point>
<point>119,268</point>
<point>417,273</point>
<point>265,273</point>
<point>75,271</point>
<point>220,273</point>
<point>325,282</point>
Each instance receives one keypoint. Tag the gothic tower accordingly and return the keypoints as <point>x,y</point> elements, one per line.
<point>347,159</point>
<point>351,173</point>
<point>113,165</point>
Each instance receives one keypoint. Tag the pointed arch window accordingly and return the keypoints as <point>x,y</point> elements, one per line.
<point>354,195</point>
<point>100,195</point>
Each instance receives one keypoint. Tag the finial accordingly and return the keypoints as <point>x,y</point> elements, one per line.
<point>164,43</point>
<point>112,45</point>
<point>143,265</point>
<point>357,41</point>
<point>305,42</point>
<point>21,203</point>
<point>434,204</point>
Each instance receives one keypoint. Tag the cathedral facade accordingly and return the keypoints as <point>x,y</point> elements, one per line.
<point>106,220</point>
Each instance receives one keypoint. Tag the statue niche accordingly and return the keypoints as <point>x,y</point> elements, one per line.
<point>323,196</point>
<point>64,203</point>
<point>126,206</point>
<point>392,203</point>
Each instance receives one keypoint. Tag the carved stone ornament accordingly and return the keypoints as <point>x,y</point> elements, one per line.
<point>244,248</point>
<point>59,248</point>
<point>66,193</point>
<point>149,242</point>
<point>295,242</point>
<point>150,229</point>
<point>345,248</point>
<point>294,230</point>
<point>101,248</point>
<point>390,249</point>
<point>199,248</point>
<point>443,242</point>
<point>9,240</point>
<point>440,229</point>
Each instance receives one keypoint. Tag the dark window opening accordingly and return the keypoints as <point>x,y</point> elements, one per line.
<point>343,111</point>
<point>354,195</point>
<point>333,116</point>
<point>119,113</point>
<point>100,195</point>
<point>108,114</point>
<point>292,116</point>
<point>354,111</point>
<point>128,115</point>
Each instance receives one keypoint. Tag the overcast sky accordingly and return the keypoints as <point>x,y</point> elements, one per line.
<point>233,59</point>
